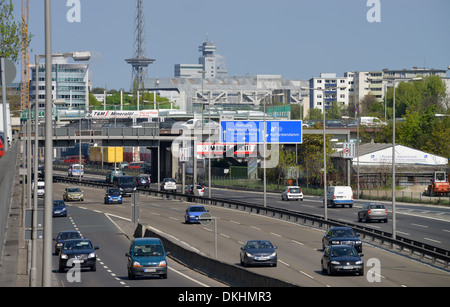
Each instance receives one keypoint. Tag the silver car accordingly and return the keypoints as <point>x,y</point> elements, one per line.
<point>372,212</point>
<point>292,192</point>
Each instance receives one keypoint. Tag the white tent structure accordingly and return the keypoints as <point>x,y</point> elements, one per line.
<point>374,165</point>
<point>403,156</point>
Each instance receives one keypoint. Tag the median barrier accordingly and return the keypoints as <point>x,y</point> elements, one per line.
<point>229,274</point>
<point>432,254</point>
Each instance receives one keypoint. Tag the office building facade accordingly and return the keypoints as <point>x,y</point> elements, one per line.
<point>70,84</point>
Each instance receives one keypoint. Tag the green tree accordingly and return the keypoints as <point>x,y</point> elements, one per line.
<point>311,157</point>
<point>315,114</point>
<point>10,32</point>
<point>417,103</point>
<point>334,111</point>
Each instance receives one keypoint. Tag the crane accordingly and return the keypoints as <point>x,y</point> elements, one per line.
<point>25,59</point>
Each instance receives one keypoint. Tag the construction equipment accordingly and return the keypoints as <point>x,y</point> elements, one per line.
<point>439,186</point>
<point>25,59</point>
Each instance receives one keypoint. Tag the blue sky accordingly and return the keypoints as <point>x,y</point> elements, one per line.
<point>297,39</point>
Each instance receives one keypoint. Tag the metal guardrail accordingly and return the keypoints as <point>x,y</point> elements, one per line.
<point>414,249</point>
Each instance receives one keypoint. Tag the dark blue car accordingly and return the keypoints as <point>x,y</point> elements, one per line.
<point>113,196</point>
<point>62,237</point>
<point>59,208</point>
<point>193,213</point>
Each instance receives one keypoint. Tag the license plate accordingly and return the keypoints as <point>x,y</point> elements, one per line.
<point>149,270</point>
<point>261,258</point>
<point>77,261</point>
<point>347,267</point>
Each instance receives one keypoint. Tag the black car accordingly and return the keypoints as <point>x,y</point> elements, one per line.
<point>342,259</point>
<point>342,236</point>
<point>258,252</point>
<point>63,236</point>
<point>126,184</point>
<point>79,253</point>
<point>143,180</point>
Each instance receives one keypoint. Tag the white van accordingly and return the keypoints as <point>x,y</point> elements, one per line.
<point>75,170</point>
<point>40,188</point>
<point>340,195</point>
<point>371,121</point>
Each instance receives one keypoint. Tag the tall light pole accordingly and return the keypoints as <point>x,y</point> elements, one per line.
<point>48,198</point>
<point>394,211</point>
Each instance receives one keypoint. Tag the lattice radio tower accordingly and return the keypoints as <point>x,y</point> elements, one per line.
<point>139,62</point>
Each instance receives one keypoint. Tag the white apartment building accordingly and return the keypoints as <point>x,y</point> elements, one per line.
<point>326,89</point>
<point>354,86</point>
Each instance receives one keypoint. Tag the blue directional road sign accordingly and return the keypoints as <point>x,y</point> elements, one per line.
<point>252,132</point>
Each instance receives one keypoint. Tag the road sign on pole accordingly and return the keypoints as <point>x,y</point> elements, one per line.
<point>348,152</point>
<point>251,132</point>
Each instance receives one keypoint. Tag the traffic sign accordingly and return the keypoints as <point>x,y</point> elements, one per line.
<point>348,152</point>
<point>205,218</point>
<point>252,132</point>
<point>10,71</point>
<point>185,154</point>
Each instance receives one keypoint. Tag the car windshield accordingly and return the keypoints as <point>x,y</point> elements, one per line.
<point>74,190</point>
<point>294,190</point>
<point>197,209</point>
<point>169,180</point>
<point>148,250</point>
<point>259,244</point>
<point>58,203</point>
<point>343,252</point>
<point>114,192</point>
<point>143,177</point>
<point>343,233</point>
<point>126,180</point>
<point>75,245</point>
<point>376,206</point>
<point>69,235</point>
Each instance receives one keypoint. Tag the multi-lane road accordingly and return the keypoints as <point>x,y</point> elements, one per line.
<point>429,224</point>
<point>299,248</point>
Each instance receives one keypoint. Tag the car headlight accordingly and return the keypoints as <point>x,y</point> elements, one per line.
<point>335,262</point>
<point>357,242</point>
<point>359,262</point>
<point>273,254</point>
<point>136,264</point>
<point>248,254</point>
<point>91,255</point>
<point>334,242</point>
<point>134,189</point>
<point>162,263</point>
<point>64,256</point>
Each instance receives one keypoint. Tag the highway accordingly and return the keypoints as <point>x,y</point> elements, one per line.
<point>106,233</point>
<point>429,224</point>
<point>299,248</point>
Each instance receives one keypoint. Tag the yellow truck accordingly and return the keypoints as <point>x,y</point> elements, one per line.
<point>111,155</point>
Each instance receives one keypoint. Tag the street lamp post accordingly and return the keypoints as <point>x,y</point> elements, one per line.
<point>394,218</point>
<point>48,199</point>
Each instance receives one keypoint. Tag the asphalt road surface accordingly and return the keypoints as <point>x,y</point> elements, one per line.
<point>299,248</point>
